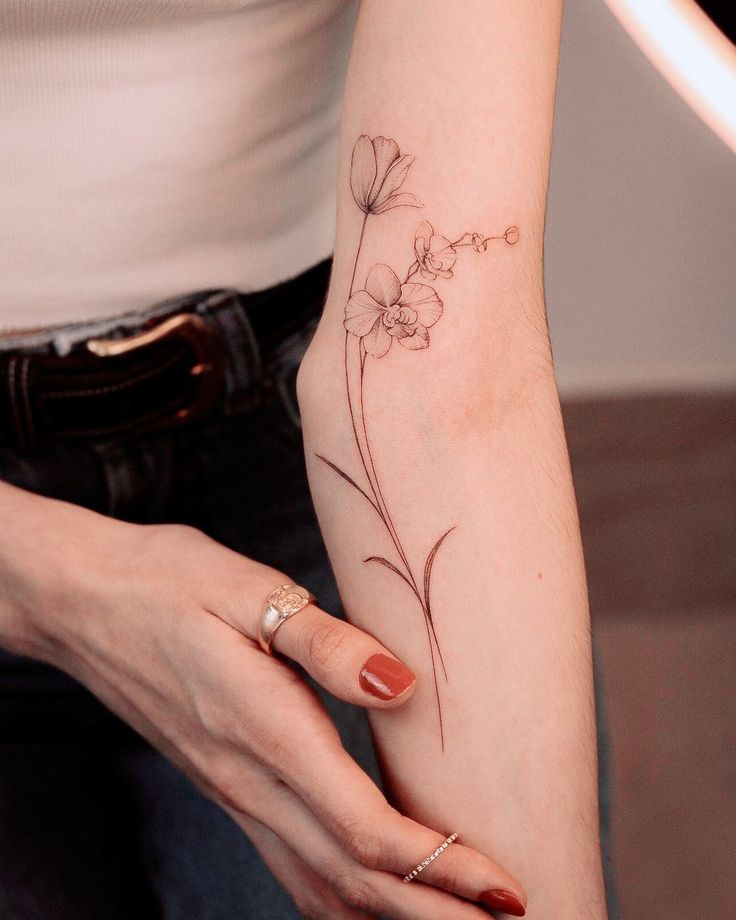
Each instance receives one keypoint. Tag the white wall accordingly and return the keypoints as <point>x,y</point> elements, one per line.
<point>641,232</point>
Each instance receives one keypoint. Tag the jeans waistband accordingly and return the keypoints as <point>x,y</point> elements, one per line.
<point>257,333</point>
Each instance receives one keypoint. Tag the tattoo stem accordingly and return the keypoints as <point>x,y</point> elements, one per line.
<point>357,253</point>
<point>391,528</point>
<point>481,242</point>
<point>347,366</point>
<point>366,457</point>
<point>373,480</point>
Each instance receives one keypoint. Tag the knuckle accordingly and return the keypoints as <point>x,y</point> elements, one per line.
<point>185,531</point>
<point>327,644</point>
<point>174,533</point>
<point>355,891</point>
<point>223,727</point>
<point>192,543</point>
<point>225,787</point>
<point>364,844</point>
<point>270,746</point>
<point>165,543</point>
<point>281,753</point>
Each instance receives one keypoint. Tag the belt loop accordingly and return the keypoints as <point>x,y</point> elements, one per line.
<point>244,364</point>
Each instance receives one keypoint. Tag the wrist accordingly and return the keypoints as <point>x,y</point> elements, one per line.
<point>45,560</point>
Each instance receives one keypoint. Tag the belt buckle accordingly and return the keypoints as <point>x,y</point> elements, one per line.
<point>207,366</point>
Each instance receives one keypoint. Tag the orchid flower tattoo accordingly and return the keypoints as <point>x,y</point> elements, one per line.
<point>388,310</point>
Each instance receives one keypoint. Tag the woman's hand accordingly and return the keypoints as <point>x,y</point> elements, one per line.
<point>160,623</point>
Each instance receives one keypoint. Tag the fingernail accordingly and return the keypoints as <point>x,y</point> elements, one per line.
<point>502,900</point>
<point>385,678</point>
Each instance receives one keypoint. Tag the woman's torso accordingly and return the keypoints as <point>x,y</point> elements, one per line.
<point>150,147</point>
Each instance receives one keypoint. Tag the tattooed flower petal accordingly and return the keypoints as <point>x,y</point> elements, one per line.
<point>361,312</point>
<point>378,341</point>
<point>422,237</point>
<point>415,337</point>
<point>403,199</point>
<point>393,181</point>
<point>406,316</point>
<point>383,285</point>
<point>512,235</point>
<point>385,154</point>
<point>435,254</point>
<point>362,171</point>
<point>424,300</point>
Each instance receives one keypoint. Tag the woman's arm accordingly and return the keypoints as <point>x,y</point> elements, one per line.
<point>435,445</point>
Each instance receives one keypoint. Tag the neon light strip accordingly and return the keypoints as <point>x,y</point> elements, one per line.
<point>690,52</point>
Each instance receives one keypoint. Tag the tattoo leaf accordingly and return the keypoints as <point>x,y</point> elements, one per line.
<point>390,565</point>
<point>428,569</point>
<point>352,482</point>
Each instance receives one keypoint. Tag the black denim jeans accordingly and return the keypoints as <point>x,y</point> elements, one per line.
<point>94,823</point>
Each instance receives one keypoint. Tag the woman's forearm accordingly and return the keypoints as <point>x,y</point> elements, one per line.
<point>435,444</point>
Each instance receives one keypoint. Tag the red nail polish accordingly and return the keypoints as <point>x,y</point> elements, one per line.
<point>385,677</point>
<point>502,901</point>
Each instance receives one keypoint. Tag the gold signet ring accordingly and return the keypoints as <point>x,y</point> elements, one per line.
<point>282,603</point>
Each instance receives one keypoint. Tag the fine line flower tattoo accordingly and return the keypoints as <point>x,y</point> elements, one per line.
<point>387,310</point>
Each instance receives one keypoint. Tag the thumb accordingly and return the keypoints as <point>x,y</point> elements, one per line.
<point>348,662</point>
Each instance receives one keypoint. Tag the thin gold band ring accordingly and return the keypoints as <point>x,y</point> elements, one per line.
<point>431,858</point>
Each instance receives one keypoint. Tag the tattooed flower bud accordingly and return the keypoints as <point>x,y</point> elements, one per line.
<point>377,171</point>
<point>386,310</point>
<point>480,244</point>
<point>511,235</point>
<point>435,255</point>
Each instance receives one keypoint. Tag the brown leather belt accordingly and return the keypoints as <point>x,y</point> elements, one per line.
<point>167,369</point>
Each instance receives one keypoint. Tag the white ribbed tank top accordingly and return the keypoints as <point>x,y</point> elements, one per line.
<point>152,147</point>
